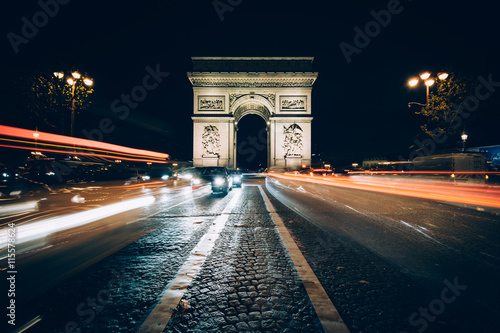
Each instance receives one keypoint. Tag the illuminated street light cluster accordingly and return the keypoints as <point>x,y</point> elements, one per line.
<point>74,76</point>
<point>72,81</point>
<point>428,81</point>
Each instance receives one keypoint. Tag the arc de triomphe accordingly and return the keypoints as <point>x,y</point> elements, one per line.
<point>227,89</point>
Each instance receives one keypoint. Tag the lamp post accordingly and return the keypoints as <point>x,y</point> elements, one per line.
<point>464,138</point>
<point>36,135</point>
<point>428,81</point>
<point>73,81</point>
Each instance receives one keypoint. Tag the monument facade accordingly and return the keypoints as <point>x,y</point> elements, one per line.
<point>225,89</point>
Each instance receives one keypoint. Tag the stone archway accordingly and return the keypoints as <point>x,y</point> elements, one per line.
<point>227,89</point>
<point>257,105</point>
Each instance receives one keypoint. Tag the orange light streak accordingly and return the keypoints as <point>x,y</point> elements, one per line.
<point>87,154</point>
<point>69,147</point>
<point>425,172</point>
<point>473,194</point>
<point>49,137</point>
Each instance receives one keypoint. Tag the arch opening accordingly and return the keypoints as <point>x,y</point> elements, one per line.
<point>252,142</point>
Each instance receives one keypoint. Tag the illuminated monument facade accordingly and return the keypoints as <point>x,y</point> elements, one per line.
<point>227,89</point>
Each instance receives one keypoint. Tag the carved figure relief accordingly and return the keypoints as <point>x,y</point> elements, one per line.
<point>210,103</point>
<point>271,98</point>
<point>293,103</point>
<point>211,141</point>
<point>292,143</point>
<point>233,98</point>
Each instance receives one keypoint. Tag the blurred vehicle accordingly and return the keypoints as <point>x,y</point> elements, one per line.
<point>453,167</point>
<point>161,173</point>
<point>219,177</point>
<point>276,169</point>
<point>194,176</point>
<point>141,174</point>
<point>320,172</point>
<point>236,176</point>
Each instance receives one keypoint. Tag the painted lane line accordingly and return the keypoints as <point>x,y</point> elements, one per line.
<point>357,211</point>
<point>423,233</point>
<point>160,315</point>
<point>489,255</point>
<point>327,313</point>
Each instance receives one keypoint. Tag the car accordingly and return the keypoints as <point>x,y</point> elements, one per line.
<point>160,173</point>
<point>320,172</point>
<point>237,177</point>
<point>219,177</point>
<point>194,176</point>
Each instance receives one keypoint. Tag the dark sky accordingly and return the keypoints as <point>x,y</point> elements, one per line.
<point>360,108</point>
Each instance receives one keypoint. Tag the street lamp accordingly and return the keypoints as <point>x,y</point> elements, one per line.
<point>36,135</point>
<point>428,81</point>
<point>464,138</point>
<point>73,81</point>
<point>425,76</point>
<point>442,76</point>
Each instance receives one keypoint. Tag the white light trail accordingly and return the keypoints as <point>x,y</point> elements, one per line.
<point>39,229</point>
<point>28,206</point>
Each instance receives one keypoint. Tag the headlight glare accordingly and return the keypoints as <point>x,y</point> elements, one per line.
<point>219,181</point>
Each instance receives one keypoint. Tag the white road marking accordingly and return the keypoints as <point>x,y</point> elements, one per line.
<point>160,315</point>
<point>423,233</point>
<point>357,211</point>
<point>489,255</point>
<point>327,313</point>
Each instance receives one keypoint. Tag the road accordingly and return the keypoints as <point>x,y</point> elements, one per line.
<point>430,241</point>
<point>388,262</point>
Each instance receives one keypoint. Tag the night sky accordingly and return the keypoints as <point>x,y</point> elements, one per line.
<point>359,108</point>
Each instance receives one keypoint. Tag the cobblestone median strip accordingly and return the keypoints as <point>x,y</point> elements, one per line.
<point>248,283</point>
<point>163,310</point>
<point>327,313</point>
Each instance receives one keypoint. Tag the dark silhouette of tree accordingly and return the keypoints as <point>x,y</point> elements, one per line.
<point>444,106</point>
<point>48,100</point>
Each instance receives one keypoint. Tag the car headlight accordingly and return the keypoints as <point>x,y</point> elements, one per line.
<point>236,178</point>
<point>196,181</point>
<point>165,177</point>
<point>219,181</point>
<point>188,176</point>
<point>146,178</point>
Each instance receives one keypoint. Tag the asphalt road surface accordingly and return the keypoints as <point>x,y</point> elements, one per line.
<point>388,263</point>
